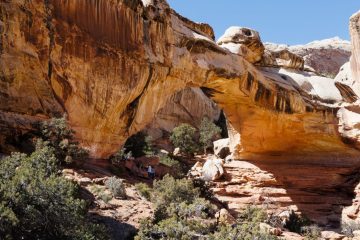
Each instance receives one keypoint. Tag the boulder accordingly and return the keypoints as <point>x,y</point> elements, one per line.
<point>348,87</point>
<point>213,169</point>
<point>84,181</point>
<point>244,42</point>
<point>176,152</point>
<point>224,217</point>
<point>196,170</point>
<point>222,148</point>
<point>330,235</point>
<point>282,58</point>
<point>291,236</point>
<point>266,228</point>
<point>229,158</point>
<point>356,234</point>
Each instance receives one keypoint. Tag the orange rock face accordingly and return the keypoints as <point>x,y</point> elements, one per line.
<point>112,65</point>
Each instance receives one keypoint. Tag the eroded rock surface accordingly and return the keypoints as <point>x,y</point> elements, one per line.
<point>190,105</point>
<point>324,57</point>
<point>113,65</point>
<point>244,42</point>
<point>355,41</point>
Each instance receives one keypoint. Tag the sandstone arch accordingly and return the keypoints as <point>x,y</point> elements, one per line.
<point>111,65</point>
<point>112,73</point>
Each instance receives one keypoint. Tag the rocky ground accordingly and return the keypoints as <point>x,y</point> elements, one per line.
<point>121,215</point>
<point>235,184</point>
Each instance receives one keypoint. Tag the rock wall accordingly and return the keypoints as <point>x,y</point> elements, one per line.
<point>324,57</point>
<point>355,40</point>
<point>113,65</point>
<point>190,105</point>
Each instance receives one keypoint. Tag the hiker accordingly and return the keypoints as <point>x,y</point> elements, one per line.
<point>151,172</point>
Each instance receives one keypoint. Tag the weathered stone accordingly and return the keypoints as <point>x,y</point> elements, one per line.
<point>112,83</point>
<point>355,41</point>
<point>212,169</point>
<point>356,233</point>
<point>176,152</point>
<point>113,65</point>
<point>187,106</point>
<point>84,181</point>
<point>282,58</point>
<point>196,170</point>
<point>266,228</point>
<point>351,87</point>
<point>224,217</point>
<point>244,42</point>
<point>330,235</point>
<point>324,57</point>
<point>221,148</point>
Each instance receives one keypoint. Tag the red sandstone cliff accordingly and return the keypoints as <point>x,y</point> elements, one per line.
<point>112,65</point>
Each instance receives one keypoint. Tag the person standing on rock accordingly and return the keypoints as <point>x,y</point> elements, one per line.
<point>151,172</point>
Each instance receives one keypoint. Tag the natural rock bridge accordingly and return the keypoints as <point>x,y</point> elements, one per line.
<point>111,66</point>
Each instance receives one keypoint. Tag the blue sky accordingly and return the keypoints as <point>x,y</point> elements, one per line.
<point>279,21</point>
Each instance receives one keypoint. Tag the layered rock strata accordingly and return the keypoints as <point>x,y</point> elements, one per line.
<point>324,57</point>
<point>112,66</point>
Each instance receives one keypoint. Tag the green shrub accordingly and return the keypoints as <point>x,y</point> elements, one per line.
<point>243,232</point>
<point>296,222</point>
<point>312,232</point>
<point>120,156</point>
<point>204,188</point>
<point>208,131</point>
<point>168,161</point>
<point>105,197</point>
<point>36,202</point>
<point>144,190</point>
<point>183,137</point>
<point>252,214</point>
<point>116,187</point>
<point>170,190</point>
<point>200,208</point>
<point>148,230</point>
<point>246,228</point>
<point>139,145</point>
<point>61,137</point>
<point>179,212</point>
<point>348,228</point>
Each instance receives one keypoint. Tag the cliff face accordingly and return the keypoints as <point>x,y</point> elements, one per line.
<point>325,57</point>
<point>112,65</point>
<point>355,40</point>
<point>190,105</point>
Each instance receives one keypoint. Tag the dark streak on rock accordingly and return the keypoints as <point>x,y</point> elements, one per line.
<point>209,92</point>
<point>130,110</point>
